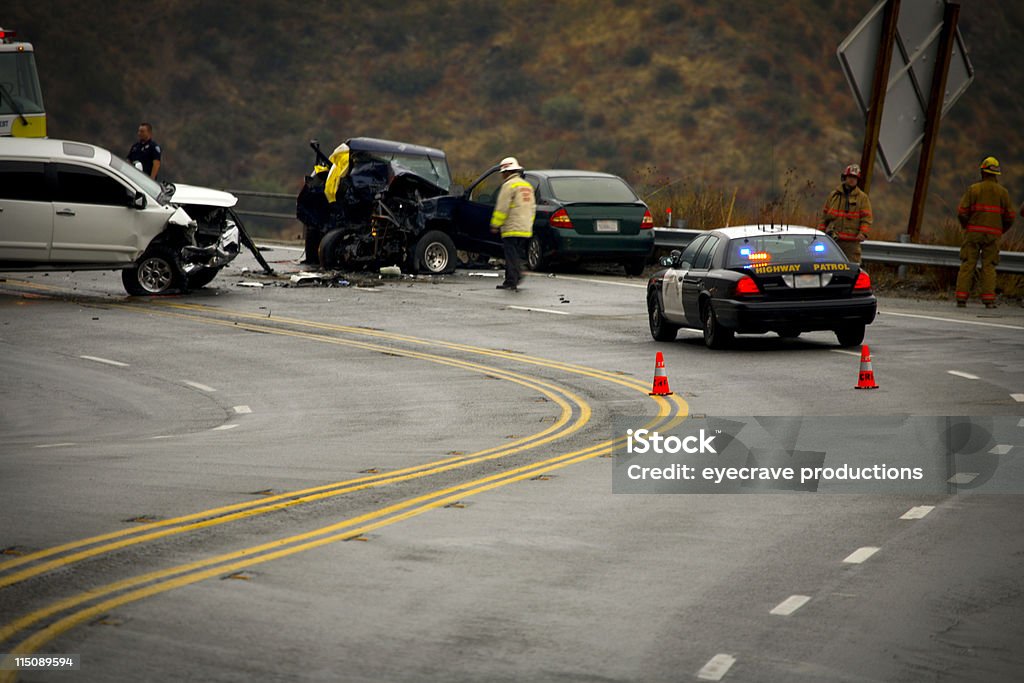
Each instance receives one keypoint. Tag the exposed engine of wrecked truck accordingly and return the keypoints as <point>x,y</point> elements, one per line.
<point>376,218</point>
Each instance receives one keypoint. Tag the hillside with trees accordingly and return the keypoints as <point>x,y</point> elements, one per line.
<point>714,108</point>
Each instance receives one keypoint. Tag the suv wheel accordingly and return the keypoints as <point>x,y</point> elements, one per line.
<point>155,273</point>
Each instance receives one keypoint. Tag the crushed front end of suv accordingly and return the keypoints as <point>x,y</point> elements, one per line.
<point>361,207</point>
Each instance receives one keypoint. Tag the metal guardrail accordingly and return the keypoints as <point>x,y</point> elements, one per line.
<point>872,250</point>
<point>678,238</point>
<point>265,195</point>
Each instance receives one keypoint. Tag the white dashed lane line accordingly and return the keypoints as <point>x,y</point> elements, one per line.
<point>716,667</point>
<point>602,282</point>
<point>965,375</point>
<point>790,605</point>
<point>952,320</point>
<point>242,410</point>
<point>200,387</point>
<point>105,361</point>
<point>917,512</point>
<point>54,445</point>
<point>860,554</point>
<point>848,353</point>
<point>224,427</point>
<point>538,310</point>
<point>1019,398</point>
<point>963,478</point>
<point>1001,449</point>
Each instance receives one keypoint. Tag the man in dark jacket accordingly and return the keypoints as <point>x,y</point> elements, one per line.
<point>146,151</point>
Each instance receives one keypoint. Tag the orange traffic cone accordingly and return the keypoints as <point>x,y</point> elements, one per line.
<point>866,380</point>
<point>660,380</point>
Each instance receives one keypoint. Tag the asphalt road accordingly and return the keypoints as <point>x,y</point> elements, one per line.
<point>412,481</point>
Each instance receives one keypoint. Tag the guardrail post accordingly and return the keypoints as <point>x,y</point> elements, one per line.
<point>901,270</point>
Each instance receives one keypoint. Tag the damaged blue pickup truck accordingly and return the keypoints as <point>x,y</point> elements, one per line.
<point>382,209</point>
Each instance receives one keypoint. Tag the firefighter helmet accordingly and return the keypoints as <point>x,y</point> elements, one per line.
<point>990,165</point>
<point>510,164</point>
<point>852,169</point>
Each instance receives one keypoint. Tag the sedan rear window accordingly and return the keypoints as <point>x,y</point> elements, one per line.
<point>782,248</point>
<point>592,190</point>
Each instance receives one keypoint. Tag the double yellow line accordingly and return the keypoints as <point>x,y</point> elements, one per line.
<point>153,583</point>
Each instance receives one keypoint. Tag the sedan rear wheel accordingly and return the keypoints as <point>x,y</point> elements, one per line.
<point>715,335</point>
<point>535,255</point>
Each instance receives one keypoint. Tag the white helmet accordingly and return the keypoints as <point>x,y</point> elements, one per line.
<point>510,164</point>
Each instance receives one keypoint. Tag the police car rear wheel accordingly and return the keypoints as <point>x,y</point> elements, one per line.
<point>715,335</point>
<point>851,335</point>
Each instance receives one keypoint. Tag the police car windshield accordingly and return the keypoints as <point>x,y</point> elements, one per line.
<point>782,247</point>
<point>148,185</point>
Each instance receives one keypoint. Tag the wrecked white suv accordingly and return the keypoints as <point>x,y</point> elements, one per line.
<point>74,206</point>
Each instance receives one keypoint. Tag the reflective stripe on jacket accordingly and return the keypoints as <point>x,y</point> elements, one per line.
<point>985,208</point>
<point>847,215</point>
<point>515,209</point>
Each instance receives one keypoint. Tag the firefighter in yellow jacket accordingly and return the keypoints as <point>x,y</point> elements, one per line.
<point>847,217</point>
<point>513,216</point>
<point>984,214</point>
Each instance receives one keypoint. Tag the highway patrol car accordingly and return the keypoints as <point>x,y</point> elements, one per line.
<point>756,279</point>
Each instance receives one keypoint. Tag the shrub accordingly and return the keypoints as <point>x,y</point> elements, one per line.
<point>406,81</point>
<point>562,110</point>
<point>669,12</point>
<point>666,76</point>
<point>638,55</point>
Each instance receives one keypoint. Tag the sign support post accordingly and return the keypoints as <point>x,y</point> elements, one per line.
<point>879,85</point>
<point>934,117</point>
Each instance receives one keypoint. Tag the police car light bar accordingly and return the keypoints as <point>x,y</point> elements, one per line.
<point>7,33</point>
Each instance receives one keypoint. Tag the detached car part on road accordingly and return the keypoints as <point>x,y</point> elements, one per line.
<point>395,204</point>
<point>74,206</point>
<point>757,279</point>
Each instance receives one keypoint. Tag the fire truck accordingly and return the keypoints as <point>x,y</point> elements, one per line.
<point>21,99</point>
